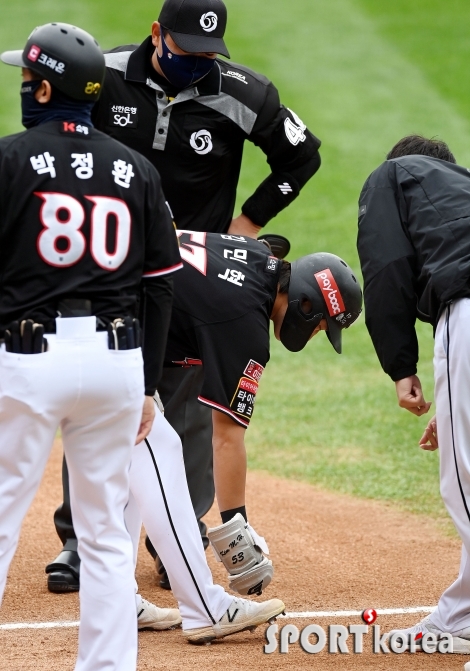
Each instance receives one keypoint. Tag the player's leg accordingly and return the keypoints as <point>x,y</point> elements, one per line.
<point>64,571</point>
<point>149,616</point>
<point>231,394</point>
<point>98,437</point>
<point>229,462</point>
<point>179,389</point>
<point>28,426</point>
<point>158,483</point>
<point>452,372</point>
<point>452,391</point>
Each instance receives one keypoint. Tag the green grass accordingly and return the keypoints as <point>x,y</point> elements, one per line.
<point>361,74</point>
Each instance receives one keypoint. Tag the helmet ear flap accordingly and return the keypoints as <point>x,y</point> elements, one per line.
<point>297,327</point>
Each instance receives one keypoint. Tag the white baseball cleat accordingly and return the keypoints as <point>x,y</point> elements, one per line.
<point>152,617</point>
<point>240,616</point>
<point>461,637</point>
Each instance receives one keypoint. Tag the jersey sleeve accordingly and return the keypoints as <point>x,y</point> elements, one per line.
<point>388,261</point>
<point>234,355</point>
<point>292,154</point>
<point>161,245</point>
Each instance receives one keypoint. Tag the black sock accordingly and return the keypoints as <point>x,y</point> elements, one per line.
<point>227,515</point>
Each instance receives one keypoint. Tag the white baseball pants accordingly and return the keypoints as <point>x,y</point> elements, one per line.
<point>95,395</point>
<point>452,394</point>
<point>160,498</point>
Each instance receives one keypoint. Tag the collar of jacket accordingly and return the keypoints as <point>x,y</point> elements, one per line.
<point>136,71</point>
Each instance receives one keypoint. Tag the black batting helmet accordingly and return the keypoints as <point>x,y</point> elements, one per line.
<point>322,286</point>
<point>67,56</point>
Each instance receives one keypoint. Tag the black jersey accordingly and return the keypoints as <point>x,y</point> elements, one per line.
<point>195,137</point>
<point>223,300</point>
<point>414,246</point>
<point>82,216</point>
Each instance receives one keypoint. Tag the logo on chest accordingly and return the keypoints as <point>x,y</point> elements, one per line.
<point>124,116</point>
<point>201,142</point>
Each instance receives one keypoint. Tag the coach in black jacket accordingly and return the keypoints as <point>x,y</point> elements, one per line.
<point>414,246</point>
<point>190,113</point>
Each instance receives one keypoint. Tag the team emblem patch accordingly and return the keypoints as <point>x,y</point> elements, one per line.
<point>209,21</point>
<point>243,400</point>
<point>201,142</point>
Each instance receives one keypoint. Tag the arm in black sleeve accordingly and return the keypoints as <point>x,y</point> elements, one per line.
<point>390,309</point>
<point>155,314</point>
<point>292,154</point>
<point>388,266</point>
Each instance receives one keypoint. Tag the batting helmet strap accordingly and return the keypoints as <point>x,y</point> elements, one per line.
<point>322,286</point>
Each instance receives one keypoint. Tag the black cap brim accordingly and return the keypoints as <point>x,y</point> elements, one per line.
<point>200,44</point>
<point>13,58</point>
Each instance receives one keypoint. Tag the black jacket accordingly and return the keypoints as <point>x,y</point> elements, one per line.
<point>195,139</point>
<point>414,247</point>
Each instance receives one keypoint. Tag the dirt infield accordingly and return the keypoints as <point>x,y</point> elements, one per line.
<point>330,553</point>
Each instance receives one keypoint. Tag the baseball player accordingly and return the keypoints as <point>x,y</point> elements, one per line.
<point>413,242</point>
<point>190,113</point>
<point>82,225</point>
<point>224,298</point>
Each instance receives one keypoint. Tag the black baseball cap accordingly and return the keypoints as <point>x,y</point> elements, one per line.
<point>196,25</point>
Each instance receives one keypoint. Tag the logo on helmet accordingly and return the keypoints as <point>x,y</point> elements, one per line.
<point>330,292</point>
<point>92,88</point>
<point>209,21</point>
<point>34,52</point>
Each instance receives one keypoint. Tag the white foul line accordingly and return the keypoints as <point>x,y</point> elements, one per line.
<point>351,613</point>
<point>38,625</point>
<point>290,616</point>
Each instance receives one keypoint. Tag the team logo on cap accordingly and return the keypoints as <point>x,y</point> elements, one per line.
<point>201,142</point>
<point>209,21</point>
<point>330,292</point>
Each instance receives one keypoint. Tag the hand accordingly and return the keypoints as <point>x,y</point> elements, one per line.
<point>148,415</point>
<point>243,226</point>
<point>410,395</point>
<point>429,440</point>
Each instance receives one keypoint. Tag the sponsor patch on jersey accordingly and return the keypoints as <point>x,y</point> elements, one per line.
<point>235,75</point>
<point>331,293</point>
<point>254,370</point>
<point>124,116</point>
<point>271,264</point>
<point>243,400</point>
<point>72,127</point>
<point>362,210</point>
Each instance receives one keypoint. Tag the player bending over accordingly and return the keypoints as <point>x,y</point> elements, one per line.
<point>224,298</point>
<point>414,246</point>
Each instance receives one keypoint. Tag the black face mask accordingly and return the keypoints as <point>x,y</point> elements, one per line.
<point>183,71</point>
<point>60,107</point>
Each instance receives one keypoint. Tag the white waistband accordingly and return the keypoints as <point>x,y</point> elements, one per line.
<point>71,328</point>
